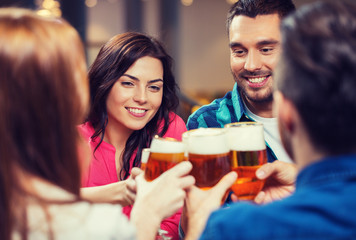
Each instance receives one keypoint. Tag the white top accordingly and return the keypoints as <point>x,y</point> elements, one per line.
<point>77,221</point>
<point>272,137</point>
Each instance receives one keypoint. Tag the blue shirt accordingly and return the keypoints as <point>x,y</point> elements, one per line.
<point>322,207</point>
<point>222,111</point>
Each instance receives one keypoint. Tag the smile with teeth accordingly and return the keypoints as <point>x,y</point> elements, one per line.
<point>136,110</point>
<point>256,79</point>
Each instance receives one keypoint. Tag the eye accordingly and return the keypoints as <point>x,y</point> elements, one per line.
<point>267,50</point>
<point>127,84</point>
<point>239,52</point>
<point>155,88</point>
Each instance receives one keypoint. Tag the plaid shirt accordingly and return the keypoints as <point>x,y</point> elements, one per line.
<point>227,109</point>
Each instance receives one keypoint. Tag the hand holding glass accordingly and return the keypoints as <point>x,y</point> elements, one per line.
<point>165,153</point>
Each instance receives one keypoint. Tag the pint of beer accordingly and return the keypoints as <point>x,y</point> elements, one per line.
<point>165,153</point>
<point>248,153</point>
<point>209,154</point>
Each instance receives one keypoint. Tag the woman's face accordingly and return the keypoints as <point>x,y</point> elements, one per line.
<point>137,95</point>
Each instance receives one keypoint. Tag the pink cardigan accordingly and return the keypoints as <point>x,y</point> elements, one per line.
<point>102,169</point>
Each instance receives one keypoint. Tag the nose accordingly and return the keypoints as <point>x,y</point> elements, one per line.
<point>140,95</point>
<point>253,61</point>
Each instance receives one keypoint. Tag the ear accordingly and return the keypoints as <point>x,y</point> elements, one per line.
<point>285,111</point>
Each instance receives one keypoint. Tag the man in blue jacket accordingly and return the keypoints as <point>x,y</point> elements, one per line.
<point>315,99</point>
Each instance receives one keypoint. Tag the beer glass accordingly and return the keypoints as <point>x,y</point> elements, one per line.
<point>208,152</point>
<point>165,153</point>
<point>247,153</point>
<point>144,157</point>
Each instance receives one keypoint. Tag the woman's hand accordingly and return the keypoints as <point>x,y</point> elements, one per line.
<point>123,192</point>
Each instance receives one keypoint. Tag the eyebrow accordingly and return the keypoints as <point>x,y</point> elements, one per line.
<point>236,45</point>
<point>267,42</point>
<point>259,44</point>
<point>136,79</point>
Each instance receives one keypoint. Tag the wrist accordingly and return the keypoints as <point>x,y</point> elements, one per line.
<point>146,220</point>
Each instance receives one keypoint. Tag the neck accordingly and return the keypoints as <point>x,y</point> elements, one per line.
<point>116,135</point>
<point>261,109</point>
<point>304,150</point>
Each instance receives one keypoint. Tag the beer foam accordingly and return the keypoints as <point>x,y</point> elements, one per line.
<point>166,145</point>
<point>246,138</point>
<point>206,141</point>
<point>145,155</point>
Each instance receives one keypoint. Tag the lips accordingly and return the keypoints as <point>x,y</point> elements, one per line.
<point>137,112</point>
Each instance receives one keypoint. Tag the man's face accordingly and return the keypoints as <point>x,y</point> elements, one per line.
<point>254,52</point>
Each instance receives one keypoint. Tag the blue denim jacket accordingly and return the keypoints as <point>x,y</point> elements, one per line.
<point>322,207</point>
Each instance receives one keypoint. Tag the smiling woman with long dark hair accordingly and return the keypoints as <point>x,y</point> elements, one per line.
<point>133,96</point>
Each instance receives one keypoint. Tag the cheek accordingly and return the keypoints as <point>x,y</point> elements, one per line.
<point>156,101</point>
<point>271,61</point>
<point>236,64</point>
<point>117,96</point>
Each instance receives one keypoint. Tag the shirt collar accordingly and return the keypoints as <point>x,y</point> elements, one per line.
<point>237,103</point>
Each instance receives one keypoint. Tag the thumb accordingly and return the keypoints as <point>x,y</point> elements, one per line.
<point>224,184</point>
<point>264,171</point>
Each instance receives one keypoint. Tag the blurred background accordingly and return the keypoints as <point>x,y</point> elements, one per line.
<point>193,32</point>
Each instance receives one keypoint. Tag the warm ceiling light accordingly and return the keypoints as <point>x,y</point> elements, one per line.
<point>91,3</point>
<point>187,2</point>
<point>48,8</point>
<point>231,1</point>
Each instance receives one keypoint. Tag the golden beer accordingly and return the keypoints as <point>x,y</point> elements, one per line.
<point>209,169</point>
<point>165,153</point>
<point>161,162</point>
<point>208,152</point>
<point>245,164</point>
<point>247,154</point>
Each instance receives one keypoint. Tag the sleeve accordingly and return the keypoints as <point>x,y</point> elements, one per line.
<point>171,225</point>
<point>116,225</point>
<point>197,119</point>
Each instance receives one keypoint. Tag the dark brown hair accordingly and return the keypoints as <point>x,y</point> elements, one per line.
<point>252,8</point>
<point>317,72</point>
<point>41,66</point>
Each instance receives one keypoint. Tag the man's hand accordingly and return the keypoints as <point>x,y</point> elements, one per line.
<point>199,204</point>
<point>280,181</point>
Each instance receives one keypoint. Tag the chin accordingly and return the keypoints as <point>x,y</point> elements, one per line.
<point>137,127</point>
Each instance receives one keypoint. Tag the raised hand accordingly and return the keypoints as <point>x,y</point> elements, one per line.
<point>280,181</point>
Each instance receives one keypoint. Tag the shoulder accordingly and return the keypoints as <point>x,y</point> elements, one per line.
<point>241,215</point>
<point>115,226</point>
<point>87,220</point>
<point>176,127</point>
<point>75,219</point>
<point>86,130</point>
<point>208,115</point>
